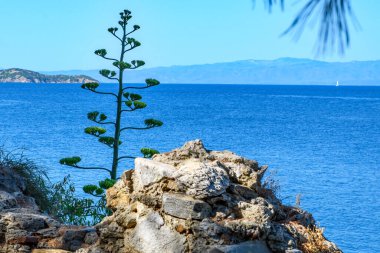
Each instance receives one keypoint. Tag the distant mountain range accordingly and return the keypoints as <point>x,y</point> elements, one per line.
<point>16,75</point>
<point>280,71</point>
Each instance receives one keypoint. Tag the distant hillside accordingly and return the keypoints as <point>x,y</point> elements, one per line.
<point>280,71</point>
<point>16,75</point>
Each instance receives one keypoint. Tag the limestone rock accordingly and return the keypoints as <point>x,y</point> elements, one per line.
<point>148,172</point>
<point>240,169</point>
<point>258,210</point>
<point>201,180</point>
<point>246,247</point>
<point>190,150</point>
<point>151,235</point>
<point>185,207</point>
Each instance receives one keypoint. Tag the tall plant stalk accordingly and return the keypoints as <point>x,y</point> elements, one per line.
<point>126,102</point>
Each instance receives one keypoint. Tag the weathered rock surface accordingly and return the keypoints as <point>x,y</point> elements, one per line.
<point>195,200</point>
<point>201,179</point>
<point>148,172</point>
<point>185,207</point>
<point>151,235</point>
<point>23,227</point>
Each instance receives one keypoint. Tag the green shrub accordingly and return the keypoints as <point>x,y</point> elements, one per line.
<point>58,200</point>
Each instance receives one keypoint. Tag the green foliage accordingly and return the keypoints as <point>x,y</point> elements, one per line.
<point>96,116</point>
<point>134,43</point>
<point>101,52</point>
<point>149,152</point>
<point>95,131</point>
<point>122,65</point>
<point>151,82</point>
<point>139,105</point>
<point>135,105</point>
<point>93,190</point>
<point>58,200</point>
<point>70,161</point>
<point>70,209</point>
<point>107,73</point>
<point>135,97</point>
<point>90,86</point>
<point>107,183</point>
<point>137,63</point>
<point>153,123</point>
<point>109,141</point>
<point>98,190</point>
<point>112,30</point>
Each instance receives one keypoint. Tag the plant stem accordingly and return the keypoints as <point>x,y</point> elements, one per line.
<point>115,160</point>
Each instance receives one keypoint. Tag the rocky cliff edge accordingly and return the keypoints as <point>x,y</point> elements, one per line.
<point>187,200</point>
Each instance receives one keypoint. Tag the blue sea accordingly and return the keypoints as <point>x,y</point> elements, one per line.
<point>322,142</point>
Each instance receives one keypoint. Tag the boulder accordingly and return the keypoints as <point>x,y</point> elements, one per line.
<point>201,179</point>
<point>148,172</point>
<point>185,207</point>
<point>151,235</point>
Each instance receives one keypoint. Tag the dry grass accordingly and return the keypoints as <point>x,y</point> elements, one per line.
<point>316,242</point>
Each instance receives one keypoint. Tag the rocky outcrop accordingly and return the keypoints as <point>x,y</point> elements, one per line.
<point>187,200</point>
<point>23,227</point>
<point>195,200</point>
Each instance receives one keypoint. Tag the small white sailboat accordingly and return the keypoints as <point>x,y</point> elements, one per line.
<point>337,83</point>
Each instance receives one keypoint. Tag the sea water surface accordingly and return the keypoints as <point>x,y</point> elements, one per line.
<point>323,142</point>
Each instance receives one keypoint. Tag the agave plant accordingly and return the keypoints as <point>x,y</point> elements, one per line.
<point>126,102</point>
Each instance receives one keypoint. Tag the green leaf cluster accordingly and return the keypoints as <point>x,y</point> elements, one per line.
<point>101,52</point>
<point>70,161</point>
<point>95,131</point>
<point>151,82</point>
<point>98,190</point>
<point>96,116</point>
<point>109,141</point>
<point>90,86</point>
<point>122,65</point>
<point>107,73</point>
<point>149,152</point>
<point>153,123</point>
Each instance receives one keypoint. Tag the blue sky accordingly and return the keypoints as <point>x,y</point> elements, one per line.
<point>62,35</point>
